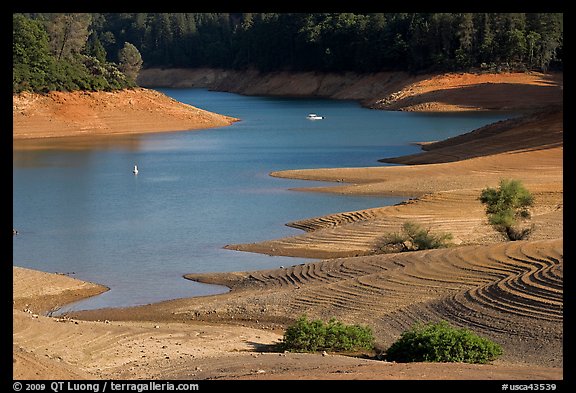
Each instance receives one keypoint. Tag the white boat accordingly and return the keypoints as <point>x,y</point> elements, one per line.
<point>314,116</point>
<point>135,171</point>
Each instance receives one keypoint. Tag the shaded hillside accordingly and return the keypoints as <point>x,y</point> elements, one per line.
<point>381,90</point>
<point>541,130</point>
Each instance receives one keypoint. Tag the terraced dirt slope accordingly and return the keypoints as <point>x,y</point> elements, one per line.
<point>529,149</point>
<point>456,211</point>
<point>511,292</point>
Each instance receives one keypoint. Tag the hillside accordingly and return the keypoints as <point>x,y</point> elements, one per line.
<point>383,90</point>
<point>80,113</point>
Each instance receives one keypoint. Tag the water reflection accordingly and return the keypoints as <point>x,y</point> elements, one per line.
<point>97,142</point>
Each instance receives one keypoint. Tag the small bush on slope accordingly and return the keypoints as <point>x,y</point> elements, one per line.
<point>315,335</point>
<point>413,238</point>
<point>440,342</point>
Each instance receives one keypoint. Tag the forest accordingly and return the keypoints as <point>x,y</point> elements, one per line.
<point>106,50</point>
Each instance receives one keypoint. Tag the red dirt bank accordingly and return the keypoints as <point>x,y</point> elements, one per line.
<point>382,90</point>
<point>59,114</point>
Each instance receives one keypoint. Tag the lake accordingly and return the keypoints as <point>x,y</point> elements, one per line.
<point>81,211</point>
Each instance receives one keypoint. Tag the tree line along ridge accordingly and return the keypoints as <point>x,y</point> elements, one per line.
<point>106,50</point>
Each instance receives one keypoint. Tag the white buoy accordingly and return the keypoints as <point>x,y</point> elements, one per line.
<point>135,171</point>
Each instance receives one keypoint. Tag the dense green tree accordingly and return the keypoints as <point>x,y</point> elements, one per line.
<point>130,61</point>
<point>31,57</point>
<point>68,33</point>
<point>330,42</point>
<point>463,55</point>
<point>550,29</point>
<point>95,48</point>
<point>64,61</point>
<point>341,41</point>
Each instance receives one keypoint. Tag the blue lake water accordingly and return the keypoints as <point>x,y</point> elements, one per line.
<point>80,210</point>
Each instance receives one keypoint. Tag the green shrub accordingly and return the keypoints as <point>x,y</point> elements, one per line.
<point>37,69</point>
<point>315,335</point>
<point>507,205</point>
<point>412,238</point>
<point>439,342</point>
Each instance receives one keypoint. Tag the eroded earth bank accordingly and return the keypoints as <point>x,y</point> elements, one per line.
<point>510,292</point>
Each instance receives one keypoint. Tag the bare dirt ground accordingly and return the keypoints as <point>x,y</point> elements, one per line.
<point>511,292</point>
<point>447,191</point>
<point>59,114</point>
<point>382,90</point>
<point>479,91</point>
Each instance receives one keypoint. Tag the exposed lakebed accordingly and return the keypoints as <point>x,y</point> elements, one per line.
<point>80,210</point>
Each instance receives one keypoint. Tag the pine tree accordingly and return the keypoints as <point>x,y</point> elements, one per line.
<point>130,61</point>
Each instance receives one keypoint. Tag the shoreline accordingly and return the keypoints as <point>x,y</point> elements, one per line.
<point>161,342</point>
<point>143,110</point>
<point>96,114</point>
<point>29,292</point>
<point>227,336</point>
<point>398,91</point>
